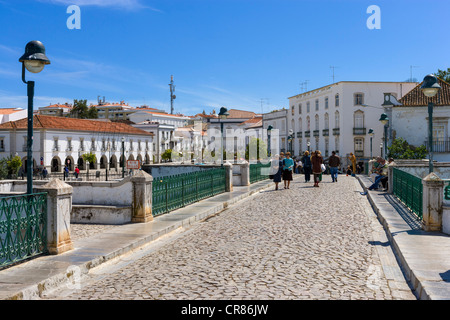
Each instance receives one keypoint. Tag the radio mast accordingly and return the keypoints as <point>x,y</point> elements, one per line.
<point>172,96</point>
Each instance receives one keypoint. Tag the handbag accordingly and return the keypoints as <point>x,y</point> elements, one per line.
<point>323,167</point>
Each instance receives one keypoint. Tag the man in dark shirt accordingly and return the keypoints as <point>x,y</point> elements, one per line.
<point>334,161</point>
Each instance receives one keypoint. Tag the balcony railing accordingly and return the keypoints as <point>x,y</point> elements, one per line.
<point>359,131</point>
<point>299,134</point>
<point>336,131</point>
<point>326,132</point>
<point>316,133</point>
<point>440,146</point>
<point>307,134</point>
<point>359,153</point>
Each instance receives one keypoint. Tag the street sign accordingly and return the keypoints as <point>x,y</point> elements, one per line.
<point>133,164</point>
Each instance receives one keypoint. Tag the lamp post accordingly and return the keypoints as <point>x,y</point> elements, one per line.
<point>34,60</point>
<point>430,87</point>
<point>269,133</point>
<point>371,133</point>
<point>385,121</point>
<point>381,149</point>
<point>223,114</point>
<point>123,157</point>
<point>308,144</point>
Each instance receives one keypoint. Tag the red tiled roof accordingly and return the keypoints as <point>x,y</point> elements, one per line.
<point>9,110</point>
<point>252,120</point>
<point>415,97</point>
<point>233,113</point>
<point>72,124</point>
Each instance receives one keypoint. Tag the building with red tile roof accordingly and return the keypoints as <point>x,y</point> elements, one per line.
<point>59,140</point>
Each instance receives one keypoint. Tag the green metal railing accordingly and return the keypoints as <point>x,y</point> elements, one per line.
<point>23,227</point>
<point>408,189</point>
<point>259,171</point>
<point>447,189</point>
<point>173,192</point>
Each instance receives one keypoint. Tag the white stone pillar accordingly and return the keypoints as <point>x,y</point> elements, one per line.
<point>142,197</point>
<point>59,208</point>
<point>433,188</point>
<point>228,176</point>
<point>245,174</point>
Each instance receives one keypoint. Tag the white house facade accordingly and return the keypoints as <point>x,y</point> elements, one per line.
<point>410,120</point>
<point>337,117</point>
<point>279,133</point>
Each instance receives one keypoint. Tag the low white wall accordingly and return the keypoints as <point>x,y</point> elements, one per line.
<point>100,214</point>
<point>103,193</point>
<point>446,219</point>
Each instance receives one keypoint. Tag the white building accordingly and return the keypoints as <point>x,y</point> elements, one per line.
<point>338,117</point>
<point>60,110</point>
<point>12,114</point>
<point>279,133</point>
<point>59,141</point>
<point>162,125</point>
<point>410,120</point>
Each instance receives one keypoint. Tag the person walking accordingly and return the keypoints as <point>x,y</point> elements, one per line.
<point>334,162</point>
<point>44,173</point>
<point>288,168</point>
<point>306,161</point>
<point>77,172</point>
<point>276,168</point>
<point>316,161</point>
<point>352,159</point>
<point>66,172</point>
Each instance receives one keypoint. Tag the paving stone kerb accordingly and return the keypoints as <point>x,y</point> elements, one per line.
<point>423,255</point>
<point>29,280</point>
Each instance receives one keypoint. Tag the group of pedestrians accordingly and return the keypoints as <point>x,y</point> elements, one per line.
<point>282,167</point>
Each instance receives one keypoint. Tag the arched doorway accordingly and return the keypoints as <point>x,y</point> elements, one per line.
<point>103,162</point>
<point>25,164</point>
<point>81,164</point>
<point>55,165</point>
<point>69,162</point>
<point>147,158</point>
<point>113,162</point>
<point>139,157</point>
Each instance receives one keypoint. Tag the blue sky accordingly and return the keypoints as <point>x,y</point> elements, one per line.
<point>229,53</point>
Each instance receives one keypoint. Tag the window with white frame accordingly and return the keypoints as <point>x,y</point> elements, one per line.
<point>316,122</point>
<point>326,102</point>
<point>358,98</point>
<point>358,118</point>
<point>307,107</point>
<point>299,124</point>
<point>359,145</point>
<point>336,100</point>
<point>293,109</point>
<point>300,108</point>
<point>308,123</point>
<point>2,144</point>
<point>317,104</point>
<point>326,121</point>
<point>55,144</point>
<point>336,120</point>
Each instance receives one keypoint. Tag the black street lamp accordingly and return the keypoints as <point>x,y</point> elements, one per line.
<point>269,133</point>
<point>34,60</point>
<point>371,133</point>
<point>223,114</point>
<point>430,87</point>
<point>123,157</point>
<point>384,119</point>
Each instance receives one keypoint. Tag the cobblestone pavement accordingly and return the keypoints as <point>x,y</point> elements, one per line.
<point>301,243</point>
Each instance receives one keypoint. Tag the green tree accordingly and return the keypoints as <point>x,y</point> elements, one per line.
<point>444,75</point>
<point>401,149</point>
<point>3,168</point>
<point>256,144</point>
<point>13,164</point>
<point>92,113</point>
<point>79,109</point>
<point>89,158</point>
